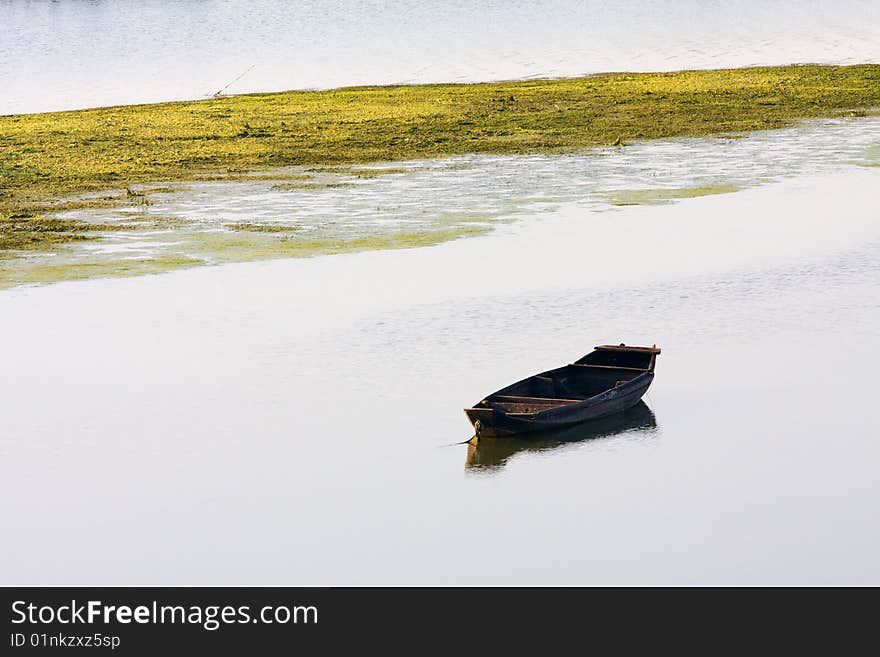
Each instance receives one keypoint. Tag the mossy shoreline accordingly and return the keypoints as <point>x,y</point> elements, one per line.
<point>46,158</point>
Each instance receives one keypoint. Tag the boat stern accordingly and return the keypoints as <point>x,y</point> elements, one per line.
<point>481,419</point>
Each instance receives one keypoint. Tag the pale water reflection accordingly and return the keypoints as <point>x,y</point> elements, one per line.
<point>288,422</point>
<point>69,54</point>
<point>487,455</point>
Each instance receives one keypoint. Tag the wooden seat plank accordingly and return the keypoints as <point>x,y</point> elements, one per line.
<point>535,400</point>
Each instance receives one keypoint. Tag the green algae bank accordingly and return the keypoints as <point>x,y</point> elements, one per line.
<point>58,172</point>
<point>321,210</point>
<point>46,155</point>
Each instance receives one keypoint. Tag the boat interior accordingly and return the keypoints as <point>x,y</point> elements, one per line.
<point>598,371</point>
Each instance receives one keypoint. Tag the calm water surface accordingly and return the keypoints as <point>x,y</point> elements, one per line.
<point>292,421</point>
<point>82,53</point>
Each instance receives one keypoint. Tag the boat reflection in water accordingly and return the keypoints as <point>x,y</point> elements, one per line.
<point>493,453</point>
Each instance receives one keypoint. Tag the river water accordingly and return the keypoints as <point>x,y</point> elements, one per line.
<point>298,421</point>
<point>292,421</point>
<point>81,53</point>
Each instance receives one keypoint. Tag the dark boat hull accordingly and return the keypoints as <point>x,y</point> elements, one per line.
<point>609,380</point>
<point>496,423</point>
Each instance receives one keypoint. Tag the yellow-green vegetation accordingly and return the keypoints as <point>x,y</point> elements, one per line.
<point>43,271</point>
<point>47,159</point>
<point>659,195</point>
<point>263,228</point>
<point>310,185</point>
<point>203,247</point>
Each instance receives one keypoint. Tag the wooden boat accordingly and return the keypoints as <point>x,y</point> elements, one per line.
<point>610,379</point>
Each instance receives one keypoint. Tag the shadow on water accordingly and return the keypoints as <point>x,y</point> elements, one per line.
<point>490,454</point>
